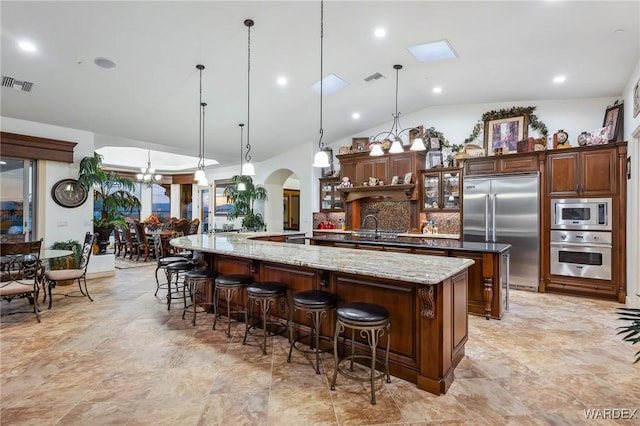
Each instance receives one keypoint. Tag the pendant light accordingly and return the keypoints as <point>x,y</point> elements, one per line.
<point>200,175</point>
<point>321,159</point>
<point>203,181</point>
<point>241,185</point>
<point>247,168</point>
<point>395,132</point>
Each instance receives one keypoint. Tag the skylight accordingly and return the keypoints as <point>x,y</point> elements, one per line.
<point>330,84</point>
<point>433,51</point>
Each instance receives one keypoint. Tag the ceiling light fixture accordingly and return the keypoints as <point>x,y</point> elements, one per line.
<point>380,32</point>
<point>437,89</point>
<point>321,159</point>
<point>241,185</point>
<point>148,175</point>
<point>559,79</point>
<point>203,181</point>
<point>247,168</point>
<point>395,132</point>
<point>200,175</point>
<point>27,46</point>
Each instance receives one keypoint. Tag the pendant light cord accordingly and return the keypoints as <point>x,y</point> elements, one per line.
<point>203,105</point>
<point>241,144</point>
<point>200,124</point>
<point>320,144</point>
<point>249,24</point>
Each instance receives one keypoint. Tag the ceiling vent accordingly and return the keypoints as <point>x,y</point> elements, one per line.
<point>12,83</point>
<point>374,76</point>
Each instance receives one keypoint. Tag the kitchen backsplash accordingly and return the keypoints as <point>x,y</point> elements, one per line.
<point>392,215</point>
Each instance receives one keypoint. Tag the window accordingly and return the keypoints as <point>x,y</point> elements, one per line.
<point>221,205</point>
<point>161,201</point>
<point>17,179</point>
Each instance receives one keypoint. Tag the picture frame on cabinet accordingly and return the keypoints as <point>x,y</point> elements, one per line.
<point>328,171</point>
<point>434,144</point>
<point>394,180</point>
<point>407,178</point>
<point>613,118</point>
<point>505,133</point>
<point>434,159</point>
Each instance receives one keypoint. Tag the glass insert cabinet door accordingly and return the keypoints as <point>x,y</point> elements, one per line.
<point>451,190</point>
<point>432,189</point>
<point>329,196</point>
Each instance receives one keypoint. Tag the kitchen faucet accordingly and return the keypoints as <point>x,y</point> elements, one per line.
<point>375,219</point>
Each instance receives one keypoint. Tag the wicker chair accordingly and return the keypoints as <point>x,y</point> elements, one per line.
<point>20,272</point>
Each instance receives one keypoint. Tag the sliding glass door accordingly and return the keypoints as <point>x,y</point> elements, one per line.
<point>17,195</point>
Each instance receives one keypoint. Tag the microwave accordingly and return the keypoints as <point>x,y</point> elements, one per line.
<point>581,213</point>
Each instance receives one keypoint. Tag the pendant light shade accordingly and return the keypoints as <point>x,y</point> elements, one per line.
<point>321,159</point>
<point>199,175</point>
<point>396,147</point>
<point>376,150</point>
<point>418,145</point>
<point>247,167</point>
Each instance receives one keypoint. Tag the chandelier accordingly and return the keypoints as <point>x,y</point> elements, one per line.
<point>321,159</point>
<point>394,134</point>
<point>247,167</point>
<point>148,175</point>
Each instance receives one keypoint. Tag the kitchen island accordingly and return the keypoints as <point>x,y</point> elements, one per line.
<point>426,295</point>
<point>488,291</point>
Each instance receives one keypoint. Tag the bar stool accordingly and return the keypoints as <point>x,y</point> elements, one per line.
<point>194,280</point>
<point>230,284</point>
<point>314,303</point>
<point>372,321</point>
<point>263,294</point>
<point>176,268</point>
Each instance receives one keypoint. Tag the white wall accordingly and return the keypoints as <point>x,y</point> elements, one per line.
<point>632,135</point>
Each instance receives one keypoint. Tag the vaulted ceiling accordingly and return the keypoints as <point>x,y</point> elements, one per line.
<point>507,50</point>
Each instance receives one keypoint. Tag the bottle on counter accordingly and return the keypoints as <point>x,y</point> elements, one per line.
<point>435,228</point>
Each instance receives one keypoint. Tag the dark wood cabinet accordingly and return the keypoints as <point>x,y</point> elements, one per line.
<point>582,172</point>
<point>511,163</point>
<point>330,200</point>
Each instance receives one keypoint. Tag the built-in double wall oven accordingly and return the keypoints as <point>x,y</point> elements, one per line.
<point>581,237</point>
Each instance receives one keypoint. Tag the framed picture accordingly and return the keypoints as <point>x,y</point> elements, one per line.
<point>505,133</point>
<point>407,178</point>
<point>613,118</point>
<point>394,180</point>
<point>636,99</point>
<point>434,144</point>
<point>434,159</point>
<point>328,171</point>
<point>359,144</point>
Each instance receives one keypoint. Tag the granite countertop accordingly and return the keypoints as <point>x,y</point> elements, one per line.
<point>413,268</point>
<point>418,241</point>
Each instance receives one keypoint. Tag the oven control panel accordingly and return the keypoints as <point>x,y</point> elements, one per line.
<point>577,237</point>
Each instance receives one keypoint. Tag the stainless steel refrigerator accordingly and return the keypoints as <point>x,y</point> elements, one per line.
<point>505,209</point>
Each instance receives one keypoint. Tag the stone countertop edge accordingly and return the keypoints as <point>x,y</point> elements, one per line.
<point>414,268</point>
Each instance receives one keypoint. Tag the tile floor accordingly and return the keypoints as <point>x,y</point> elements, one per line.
<point>125,360</point>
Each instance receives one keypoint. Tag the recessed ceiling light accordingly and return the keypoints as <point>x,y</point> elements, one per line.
<point>330,84</point>
<point>437,89</point>
<point>559,79</point>
<point>27,46</point>
<point>355,115</point>
<point>282,81</point>
<point>380,32</point>
<point>433,51</point>
<point>104,63</point>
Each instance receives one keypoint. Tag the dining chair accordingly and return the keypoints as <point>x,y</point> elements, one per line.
<point>20,272</point>
<point>130,242</point>
<point>55,278</point>
<point>119,243</point>
<point>143,243</point>
<point>193,226</point>
<point>182,225</point>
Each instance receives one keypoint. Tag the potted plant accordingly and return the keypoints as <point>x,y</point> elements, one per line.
<point>111,196</point>
<point>243,202</point>
<point>70,262</point>
<point>632,330</point>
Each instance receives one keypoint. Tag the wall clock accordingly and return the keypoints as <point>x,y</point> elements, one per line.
<point>68,193</point>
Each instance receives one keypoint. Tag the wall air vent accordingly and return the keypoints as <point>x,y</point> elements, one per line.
<point>374,76</point>
<point>12,83</point>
